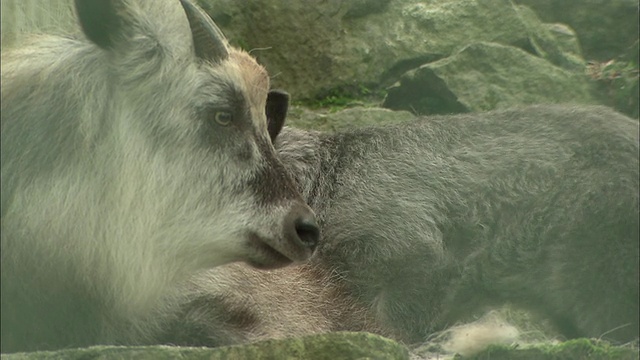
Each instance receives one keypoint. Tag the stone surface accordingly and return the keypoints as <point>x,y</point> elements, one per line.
<point>330,346</point>
<point>605,28</point>
<point>485,76</point>
<point>315,46</point>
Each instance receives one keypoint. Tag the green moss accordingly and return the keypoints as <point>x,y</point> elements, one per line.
<point>330,346</point>
<point>341,98</point>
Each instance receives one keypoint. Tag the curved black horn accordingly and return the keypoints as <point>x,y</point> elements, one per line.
<point>209,42</point>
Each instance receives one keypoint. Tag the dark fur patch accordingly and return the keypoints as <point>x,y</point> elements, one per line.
<point>276,109</point>
<point>272,183</point>
<point>99,20</point>
<point>210,320</point>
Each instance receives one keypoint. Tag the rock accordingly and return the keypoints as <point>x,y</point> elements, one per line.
<point>605,28</point>
<point>330,346</point>
<point>566,38</point>
<point>313,47</point>
<point>485,76</point>
<point>560,47</point>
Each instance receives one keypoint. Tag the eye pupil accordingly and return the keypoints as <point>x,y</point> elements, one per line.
<point>223,117</point>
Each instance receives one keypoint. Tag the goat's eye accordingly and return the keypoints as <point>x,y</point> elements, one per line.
<point>223,118</point>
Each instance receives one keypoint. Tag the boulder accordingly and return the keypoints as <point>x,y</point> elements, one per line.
<point>484,76</point>
<point>313,47</point>
<point>605,28</point>
<point>330,346</point>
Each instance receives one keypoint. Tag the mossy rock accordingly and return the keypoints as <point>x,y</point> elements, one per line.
<point>605,28</point>
<point>486,76</point>
<point>314,49</point>
<point>330,346</point>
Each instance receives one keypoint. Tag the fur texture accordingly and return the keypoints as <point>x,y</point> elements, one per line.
<point>428,223</point>
<point>128,165</point>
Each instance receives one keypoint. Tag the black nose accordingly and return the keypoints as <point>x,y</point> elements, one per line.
<point>308,231</point>
<point>301,233</point>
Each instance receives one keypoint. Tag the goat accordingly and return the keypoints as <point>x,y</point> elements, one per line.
<point>428,223</point>
<point>133,156</point>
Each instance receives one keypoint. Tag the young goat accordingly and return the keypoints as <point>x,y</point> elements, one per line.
<point>132,157</point>
<point>428,223</point>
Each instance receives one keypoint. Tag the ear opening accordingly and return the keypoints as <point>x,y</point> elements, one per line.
<point>100,20</point>
<point>276,110</point>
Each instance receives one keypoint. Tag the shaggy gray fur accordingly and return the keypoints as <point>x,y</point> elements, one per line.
<point>428,223</point>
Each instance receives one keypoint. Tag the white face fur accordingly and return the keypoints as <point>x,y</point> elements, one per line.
<point>163,164</point>
<point>205,148</point>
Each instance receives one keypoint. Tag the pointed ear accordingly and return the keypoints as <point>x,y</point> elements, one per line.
<point>101,20</point>
<point>277,106</point>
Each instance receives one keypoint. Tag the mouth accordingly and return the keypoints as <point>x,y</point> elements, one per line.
<point>266,256</point>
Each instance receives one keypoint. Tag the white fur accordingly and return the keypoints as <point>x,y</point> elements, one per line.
<point>116,184</point>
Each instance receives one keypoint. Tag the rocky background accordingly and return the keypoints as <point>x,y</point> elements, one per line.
<point>441,56</point>
<point>423,56</point>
